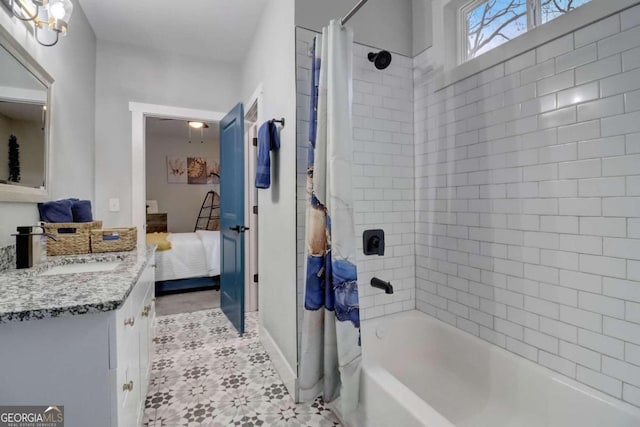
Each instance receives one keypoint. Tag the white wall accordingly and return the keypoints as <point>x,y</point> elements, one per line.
<point>71,63</point>
<point>527,177</point>
<point>422,26</point>
<point>386,24</point>
<point>126,73</point>
<point>271,62</point>
<point>181,202</point>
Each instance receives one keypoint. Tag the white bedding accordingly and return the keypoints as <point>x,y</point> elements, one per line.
<point>191,255</point>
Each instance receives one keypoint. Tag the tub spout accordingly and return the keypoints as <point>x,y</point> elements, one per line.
<point>381,284</point>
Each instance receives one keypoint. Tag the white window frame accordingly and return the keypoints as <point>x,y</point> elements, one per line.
<point>534,20</point>
<point>447,33</point>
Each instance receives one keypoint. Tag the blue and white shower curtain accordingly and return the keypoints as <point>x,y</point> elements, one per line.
<point>331,353</point>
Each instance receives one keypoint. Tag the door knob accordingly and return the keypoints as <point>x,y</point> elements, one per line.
<point>239,228</point>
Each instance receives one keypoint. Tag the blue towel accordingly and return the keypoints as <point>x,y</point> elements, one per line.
<point>66,210</point>
<point>58,211</point>
<point>81,210</point>
<point>268,139</point>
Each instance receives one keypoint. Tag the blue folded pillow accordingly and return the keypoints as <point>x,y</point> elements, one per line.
<point>56,211</point>
<point>81,211</point>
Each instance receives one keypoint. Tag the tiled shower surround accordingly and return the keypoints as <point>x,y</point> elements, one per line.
<point>382,174</point>
<point>516,191</point>
<point>528,203</point>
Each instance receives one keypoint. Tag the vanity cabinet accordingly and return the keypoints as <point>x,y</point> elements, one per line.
<point>96,364</point>
<point>131,348</point>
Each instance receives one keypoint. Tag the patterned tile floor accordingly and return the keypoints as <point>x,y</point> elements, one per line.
<point>204,374</point>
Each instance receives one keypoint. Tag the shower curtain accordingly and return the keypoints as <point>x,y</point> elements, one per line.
<point>330,355</point>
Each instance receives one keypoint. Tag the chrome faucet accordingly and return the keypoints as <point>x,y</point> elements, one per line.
<point>24,245</point>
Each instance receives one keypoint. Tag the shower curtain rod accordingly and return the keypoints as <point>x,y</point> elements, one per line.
<point>353,11</point>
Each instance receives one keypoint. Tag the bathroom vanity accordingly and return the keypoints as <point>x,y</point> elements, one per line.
<point>77,331</point>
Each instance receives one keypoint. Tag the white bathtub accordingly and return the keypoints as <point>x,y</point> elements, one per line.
<point>419,371</point>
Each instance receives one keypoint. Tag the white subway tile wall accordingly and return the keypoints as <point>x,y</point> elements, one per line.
<point>383,177</point>
<point>527,181</point>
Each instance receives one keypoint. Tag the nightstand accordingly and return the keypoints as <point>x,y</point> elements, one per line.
<point>156,223</point>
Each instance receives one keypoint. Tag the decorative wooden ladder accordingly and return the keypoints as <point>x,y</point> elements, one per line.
<point>209,216</point>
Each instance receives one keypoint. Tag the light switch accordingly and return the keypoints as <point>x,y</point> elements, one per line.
<point>114,205</point>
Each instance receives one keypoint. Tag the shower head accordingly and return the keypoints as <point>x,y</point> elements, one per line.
<point>381,59</point>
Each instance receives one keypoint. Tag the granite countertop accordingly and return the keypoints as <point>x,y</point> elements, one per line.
<point>24,295</point>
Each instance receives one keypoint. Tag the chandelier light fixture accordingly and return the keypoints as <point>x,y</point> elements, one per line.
<point>50,15</point>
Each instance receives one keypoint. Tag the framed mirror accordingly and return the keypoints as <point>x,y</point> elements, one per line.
<point>25,117</point>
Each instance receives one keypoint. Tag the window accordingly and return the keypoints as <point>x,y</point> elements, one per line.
<point>551,9</point>
<point>490,23</point>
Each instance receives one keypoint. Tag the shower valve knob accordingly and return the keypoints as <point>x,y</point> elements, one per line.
<point>373,242</point>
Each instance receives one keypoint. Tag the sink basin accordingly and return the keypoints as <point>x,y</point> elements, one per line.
<point>89,267</point>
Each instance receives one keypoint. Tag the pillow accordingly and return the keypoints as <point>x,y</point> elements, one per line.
<point>160,240</point>
<point>56,211</point>
<point>81,211</point>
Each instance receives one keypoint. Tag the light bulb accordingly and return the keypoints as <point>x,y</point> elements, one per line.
<point>196,125</point>
<point>57,10</point>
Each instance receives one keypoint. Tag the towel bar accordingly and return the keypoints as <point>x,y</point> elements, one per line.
<point>281,121</point>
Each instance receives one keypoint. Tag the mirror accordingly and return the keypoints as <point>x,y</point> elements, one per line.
<point>24,124</point>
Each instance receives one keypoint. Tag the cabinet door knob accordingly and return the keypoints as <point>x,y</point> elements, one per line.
<point>127,386</point>
<point>130,321</point>
<point>146,310</point>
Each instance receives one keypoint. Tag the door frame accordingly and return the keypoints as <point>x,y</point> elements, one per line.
<point>252,290</point>
<point>139,111</point>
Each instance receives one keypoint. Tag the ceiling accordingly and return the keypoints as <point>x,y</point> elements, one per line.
<point>179,129</point>
<point>217,29</point>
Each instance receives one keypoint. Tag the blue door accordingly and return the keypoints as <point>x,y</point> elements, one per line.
<point>232,216</point>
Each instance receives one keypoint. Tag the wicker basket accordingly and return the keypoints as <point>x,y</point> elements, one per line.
<point>74,240</point>
<point>114,239</point>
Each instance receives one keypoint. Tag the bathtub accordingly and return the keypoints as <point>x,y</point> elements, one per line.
<point>419,371</point>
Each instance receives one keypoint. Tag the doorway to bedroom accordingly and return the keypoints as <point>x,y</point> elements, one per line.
<point>181,195</point>
<point>182,160</point>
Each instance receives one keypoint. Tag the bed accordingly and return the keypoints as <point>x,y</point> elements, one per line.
<point>192,262</point>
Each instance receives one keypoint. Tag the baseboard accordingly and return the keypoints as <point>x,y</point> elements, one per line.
<point>287,374</point>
